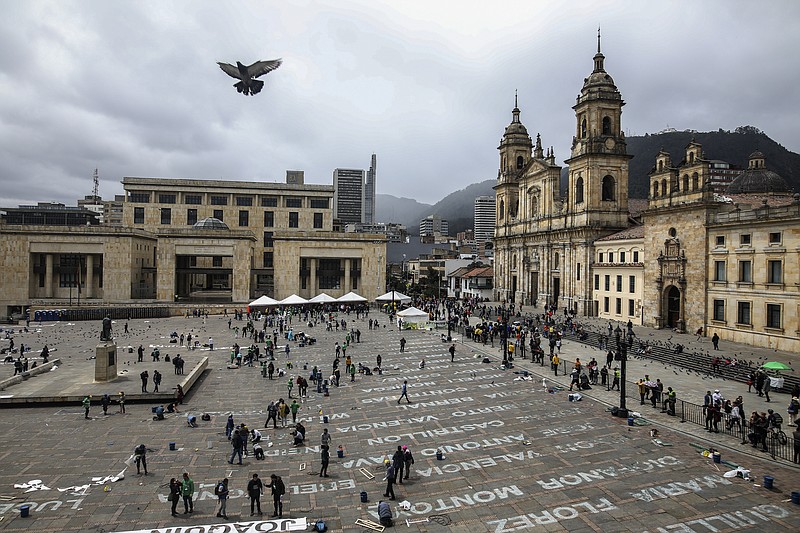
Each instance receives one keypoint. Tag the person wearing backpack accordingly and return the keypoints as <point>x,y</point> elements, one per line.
<point>278,490</point>
<point>221,490</point>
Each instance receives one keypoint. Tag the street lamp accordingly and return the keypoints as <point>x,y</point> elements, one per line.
<point>622,357</point>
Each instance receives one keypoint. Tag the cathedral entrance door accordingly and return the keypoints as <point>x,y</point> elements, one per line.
<point>513,288</point>
<point>556,291</point>
<point>673,306</point>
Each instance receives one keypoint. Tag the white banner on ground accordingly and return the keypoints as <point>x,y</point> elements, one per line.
<point>280,524</point>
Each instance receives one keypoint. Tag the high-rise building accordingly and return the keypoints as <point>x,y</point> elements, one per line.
<point>484,219</point>
<point>433,228</point>
<point>369,192</point>
<point>348,195</point>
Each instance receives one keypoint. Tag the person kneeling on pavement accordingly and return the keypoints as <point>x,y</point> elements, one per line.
<point>385,514</point>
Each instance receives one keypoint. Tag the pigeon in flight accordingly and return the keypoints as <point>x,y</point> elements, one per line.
<point>249,84</point>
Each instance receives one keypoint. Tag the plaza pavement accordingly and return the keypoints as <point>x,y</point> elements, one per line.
<point>516,456</point>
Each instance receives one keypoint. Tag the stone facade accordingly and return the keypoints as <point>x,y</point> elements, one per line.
<point>618,276</point>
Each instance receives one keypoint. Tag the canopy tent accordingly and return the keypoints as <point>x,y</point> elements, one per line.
<point>350,298</point>
<point>264,301</point>
<point>412,314</point>
<point>393,296</point>
<point>293,300</point>
<point>322,298</point>
<point>776,365</point>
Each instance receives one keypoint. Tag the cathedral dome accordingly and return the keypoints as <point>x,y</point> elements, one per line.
<point>210,223</point>
<point>757,179</point>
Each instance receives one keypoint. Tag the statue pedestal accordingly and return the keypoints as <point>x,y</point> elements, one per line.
<point>105,364</point>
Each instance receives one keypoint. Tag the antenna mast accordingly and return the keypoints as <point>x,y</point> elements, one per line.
<point>96,188</point>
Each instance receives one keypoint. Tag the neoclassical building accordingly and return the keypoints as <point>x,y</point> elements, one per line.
<point>192,241</point>
<point>545,242</point>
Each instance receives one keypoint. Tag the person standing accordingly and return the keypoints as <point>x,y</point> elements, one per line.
<point>615,383</point>
<point>402,344</point>
<point>278,490</point>
<point>211,347</point>
<point>221,490</point>
<point>715,341</point>
<point>767,387</point>
<point>378,360</point>
<point>187,491</point>
<point>156,380</point>
<point>121,402</point>
<point>325,457</point>
<point>404,392</point>
<point>254,490</point>
<point>294,407</point>
<point>140,351</point>
<point>408,459</point>
<point>236,443</point>
<point>87,402</point>
<point>325,438</point>
<point>290,385</point>
<point>389,493</point>
<point>398,463</point>
<point>272,414</point>
<point>174,494</point>
<point>143,376</point>
<point>140,458</point>
<point>105,401</point>
<point>452,352</point>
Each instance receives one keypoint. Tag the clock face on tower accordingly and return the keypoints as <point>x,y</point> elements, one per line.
<point>610,143</point>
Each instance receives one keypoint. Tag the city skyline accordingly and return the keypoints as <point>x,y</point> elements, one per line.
<point>134,90</point>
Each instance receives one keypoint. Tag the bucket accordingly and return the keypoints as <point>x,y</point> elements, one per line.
<point>364,497</point>
<point>630,421</point>
<point>172,446</point>
<point>768,480</point>
<point>717,457</point>
<point>439,455</point>
<point>24,511</point>
<point>339,453</point>
<point>796,498</point>
<point>324,419</point>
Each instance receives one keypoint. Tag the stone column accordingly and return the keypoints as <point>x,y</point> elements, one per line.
<point>346,276</point>
<point>312,267</point>
<point>48,275</point>
<point>89,293</point>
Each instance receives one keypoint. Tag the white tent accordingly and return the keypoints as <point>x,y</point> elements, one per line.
<point>322,298</point>
<point>351,297</point>
<point>412,314</point>
<point>393,296</point>
<point>264,301</point>
<point>293,300</point>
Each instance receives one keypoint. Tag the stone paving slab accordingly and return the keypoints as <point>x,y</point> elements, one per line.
<point>516,457</point>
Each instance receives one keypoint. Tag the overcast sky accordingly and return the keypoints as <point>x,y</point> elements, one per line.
<point>133,89</point>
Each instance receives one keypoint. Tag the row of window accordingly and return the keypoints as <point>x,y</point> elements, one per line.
<point>744,315</point>
<point>607,189</point>
<point>241,201</point>
<point>618,306</point>
<point>244,217</point>
<point>774,271</point>
<point>607,284</point>
<point>745,239</point>
<point>621,257</point>
<point>675,186</point>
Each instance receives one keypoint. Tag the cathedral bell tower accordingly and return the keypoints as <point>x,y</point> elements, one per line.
<point>515,150</point>
<point>598,164</point>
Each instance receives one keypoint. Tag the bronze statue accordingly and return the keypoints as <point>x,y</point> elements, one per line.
<point>249,84</point>
<point>105,335</point>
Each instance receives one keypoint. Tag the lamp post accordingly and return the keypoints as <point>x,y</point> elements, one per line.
<point>622,357</point>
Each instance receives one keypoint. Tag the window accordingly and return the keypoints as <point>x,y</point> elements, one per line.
<point>294,220</point>
<point>244,201</point>
<point>610,257</point>
<point>216,261</point>
<point>219,200</point>
<point>655,189</point>
<point>317,220</point>
<point>775,237</point>
<point>579,190</point>
<point>583,136</point>
<point>631,308</point>
<point>166,198</point>
<point>695,182</point>
<point>743,313</point>
<point>597,282</point>
<point>606,126</point>
<point>139,197</point>
<point>608,192</point>
<point>244,218</point>
<point>745,272</point>
<point>267,239</point>
<point>619,306</point>
<point>622,257</point>
<point>774,272</point>
<point>269,219</point>
<point>744,239</point>
<point>600,257</point>
<point>686,183</point>
<point>166,215</point>
<point>520,162</point>
<point>329,273</point>
<point>269,201</point>
<point>636,257</point>
<point>218,214</point>
<point>631,284</point>
<point>320,203</point>
<point>193,199</point>
<point>138,215</point>
<point>293,201</point>
<point>774,316</point>
<point>268,258</point>
<point>605,304</point>
<point>608,282</point>
<point>619,283</point>
<point>578,271</point>
<point>191,217</point>
<point>719,271</point>
<point>719,310</point>
<point>720,240</point>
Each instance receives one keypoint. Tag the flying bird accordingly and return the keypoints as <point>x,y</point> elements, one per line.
<point>249,85</point>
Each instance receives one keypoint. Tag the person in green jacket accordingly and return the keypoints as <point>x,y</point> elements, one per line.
<point>294,407</point>
<point>87,402</point>
<point>187,491</point>
<point>289,385</point>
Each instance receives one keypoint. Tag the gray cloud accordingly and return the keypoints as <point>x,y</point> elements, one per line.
<point>132,88</point>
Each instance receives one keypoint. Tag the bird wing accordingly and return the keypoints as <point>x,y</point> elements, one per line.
<point>259,68</point>
<point>230,70</point>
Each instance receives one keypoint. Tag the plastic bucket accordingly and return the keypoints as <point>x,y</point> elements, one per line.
<point>24,511</point>
<point>439,456</point>
<point>339,453</point>
<point>717,457</point>
<point>364,498</point>
<point>630,421</point>
<point>172,446</point>
<point>796,498</point>
<point>768,480</point>
<point>325,419</point>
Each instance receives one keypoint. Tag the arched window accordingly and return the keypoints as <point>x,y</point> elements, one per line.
<point>579,190</point>
<point>502,210</point>
<point>520,162</point>
<point>660,166</point>
<point>608,192</point>
<point>686,183</point>
<point>514,262</point>
<point>606,126</point>
<point>655,189</point>
<point>664,187</point>
<point>695,182</point>
<point>556,260</point>
<point>583,129</point>
<point>534,205</point>
<point>691,158</point>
